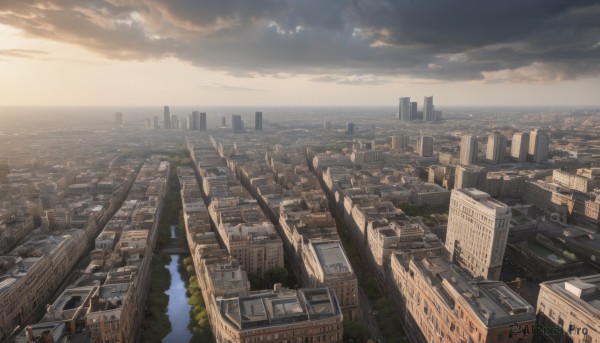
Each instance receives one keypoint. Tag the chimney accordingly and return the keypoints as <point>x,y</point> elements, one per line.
<point>29,334</point>
<point>47,337</point>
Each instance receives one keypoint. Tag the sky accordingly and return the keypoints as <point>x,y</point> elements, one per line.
<point>299,52</point>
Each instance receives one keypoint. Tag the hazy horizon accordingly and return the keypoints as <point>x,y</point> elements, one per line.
<point>299,53</point>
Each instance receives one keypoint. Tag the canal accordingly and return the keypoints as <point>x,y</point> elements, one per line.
<point>178,309</point>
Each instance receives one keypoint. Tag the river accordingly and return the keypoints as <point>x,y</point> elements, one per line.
<point>178,309</point>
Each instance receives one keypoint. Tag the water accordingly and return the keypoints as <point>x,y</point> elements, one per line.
<point>178,309</point>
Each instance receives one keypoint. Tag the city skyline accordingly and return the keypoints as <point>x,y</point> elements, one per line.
<point>301,53</point>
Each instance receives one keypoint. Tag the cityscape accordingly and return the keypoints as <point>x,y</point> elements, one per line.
<point>299,172</point>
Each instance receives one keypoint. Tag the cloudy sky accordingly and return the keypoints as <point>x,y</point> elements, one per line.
<point>299,52</point>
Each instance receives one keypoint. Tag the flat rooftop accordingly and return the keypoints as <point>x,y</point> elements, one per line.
<point>331,257</point>
<point>492,301</point>
<point>265,309</point>
<point>583,292</point>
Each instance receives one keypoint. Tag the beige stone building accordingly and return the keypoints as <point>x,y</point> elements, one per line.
<point>477,232</point>
<point>441,303</point>
<point>281,315</point>
<point>568,310</point>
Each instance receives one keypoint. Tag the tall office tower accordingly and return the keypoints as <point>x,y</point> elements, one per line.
<point>119,118</point>
<point>195,118</point>
<point>428,109</point>
<point>183,124</point>
<point>174,122</point>
<point>469,177</point>
<point>223,121</point>
<point>477,232</point>
<point>468,150</point>
<point>395,142</point>
<point>327,125</point>
<point>539,145</point>
<point>496,148</point>
<point>258,121</point>
<point>202,121</point>
<point>413,110</point>
<point>425,146</point>
<point>437,116</point>
<point>404,109</point>
<point>350,128</point>
<point>155,122</point>
<point>236,123</point>
<point>167,117</point>
<point>520,146</point>
<point>148,123</point>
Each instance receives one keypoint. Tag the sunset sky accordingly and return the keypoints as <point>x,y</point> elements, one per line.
<point>299,52</point>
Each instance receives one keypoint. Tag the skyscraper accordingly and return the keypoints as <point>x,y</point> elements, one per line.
<point>404,109</point>
<point>520,146</point>
<point>413,110</point>
<point>119,118</point>
<point>539,145</point>
<point>195,118</point>
<point>477,232</point>
<point>468,150</point>
<point>327,125</point>
<point>202,121</point>
<point>350,128</point>
<point>496,148</point>
<point>425,146</point>
<point>258,121</point>
<point>155,122</point>
<point>167,117</point>
<point>236,123</point>
<point>428,114</point>
<point>223,121</point>
<point>174,122</point>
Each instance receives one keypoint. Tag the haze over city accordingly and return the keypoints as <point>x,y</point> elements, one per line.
<point>299,171</point>
<point>299,53</point>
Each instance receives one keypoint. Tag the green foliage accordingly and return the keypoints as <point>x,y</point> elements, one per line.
<point>199,324</point>
<point>355,332</point>
<point>270,278</point>
<point>156,323</point>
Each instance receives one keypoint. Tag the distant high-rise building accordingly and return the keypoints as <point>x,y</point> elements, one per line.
<point>413,110</point>
<point>350,128</point>
<point>520,146</point>
<point>236,123</point>
<point>119,118</point>
<point>155,122</point>
<point>477,232</point>
<point>425,146</point>
<point>167,118</point>
<point>148,123</point>
<point>468,150</point>
<point>395,142</point>
<point>437,116</point>
<point>496,148</point>
<point>195,119</point>
<point>428,109</point>
<point>404,109</point>
<point>258,121</point>
<point>174,122</point>
<point>539,145</point>
<point>183,124</point>
<point>223,121</point>
<point>327,125</point>
<point>202,121</point>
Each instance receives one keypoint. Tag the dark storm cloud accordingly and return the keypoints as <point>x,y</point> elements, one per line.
<point>533,40</point>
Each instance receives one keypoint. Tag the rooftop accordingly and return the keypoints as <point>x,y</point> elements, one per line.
<point>584,292</point>
<point>331,256</point>
<point>280,307</point>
